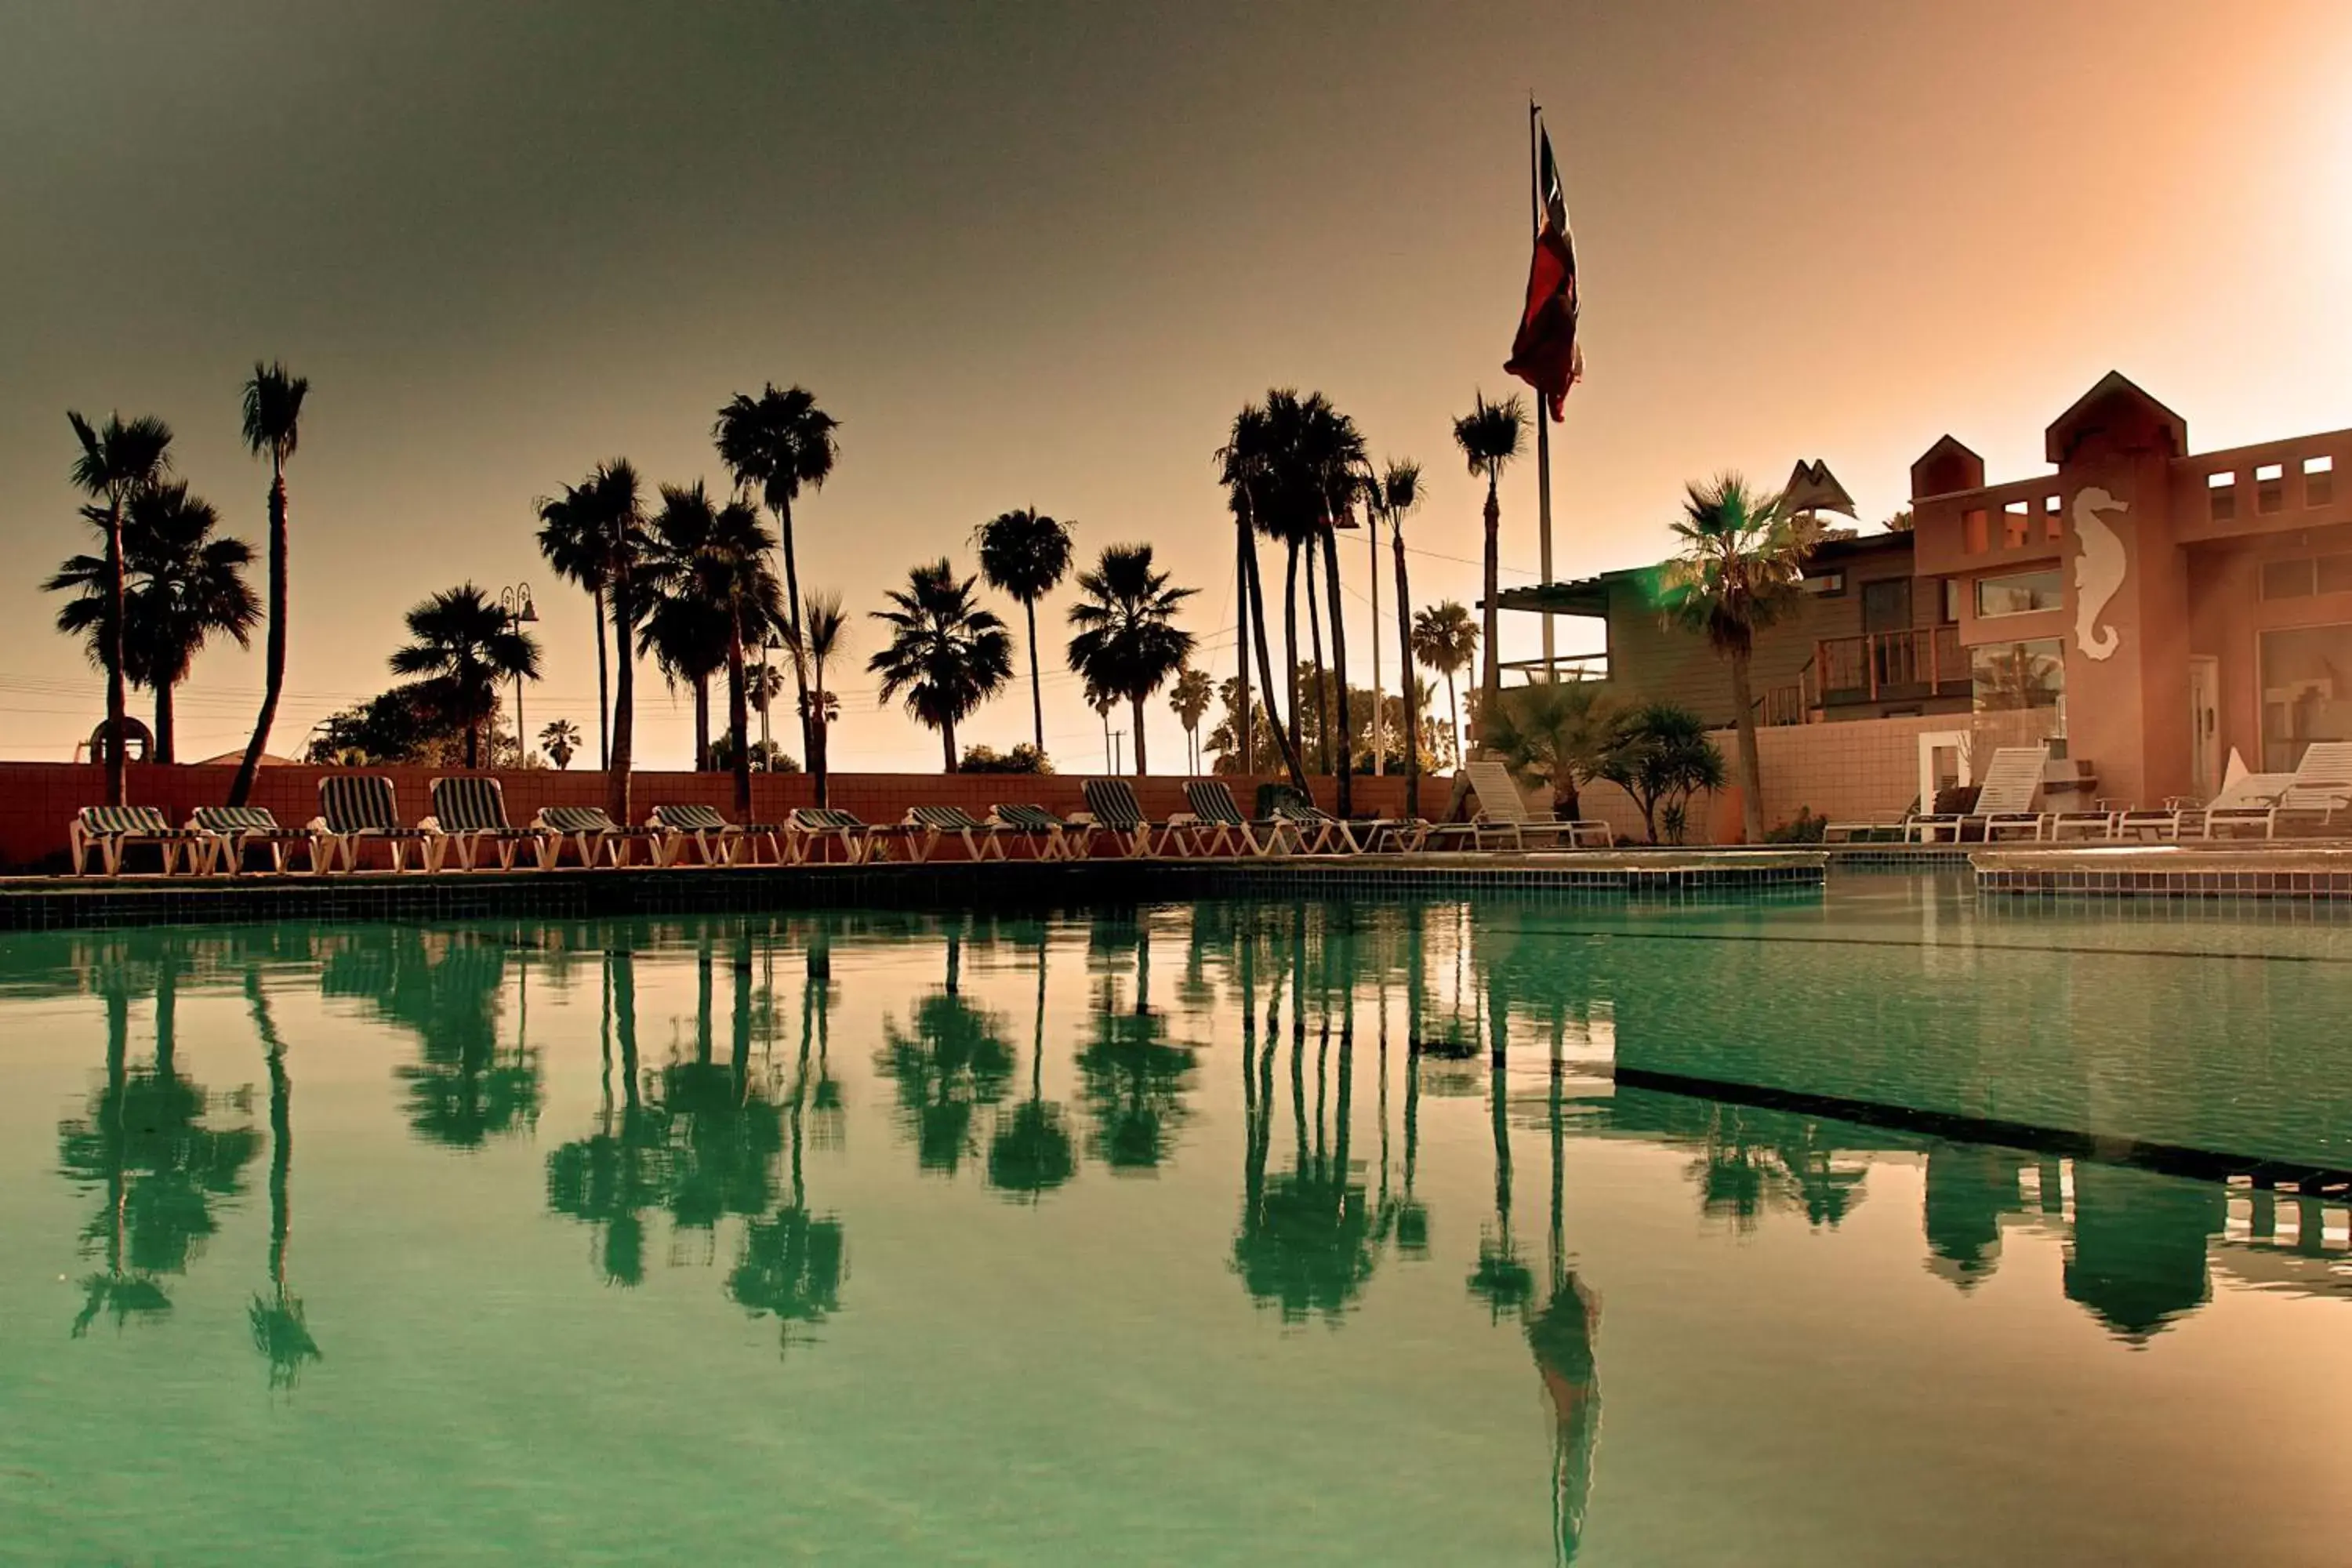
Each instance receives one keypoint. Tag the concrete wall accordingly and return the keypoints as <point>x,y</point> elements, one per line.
<point>38,799</point>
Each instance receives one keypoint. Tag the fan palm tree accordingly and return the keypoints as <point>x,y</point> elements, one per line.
<point>118,461</point>
<point>611,524</point>
<point>1189,698</point>
<point>1445,638</point>
<point>713,595</point>
<point>1490,437</point>
<point>570,540</point>
<point>272,424</point>
<point>1333,472</point>
<point>1026,555</point>
<point>1129,643</point>
<point>1391,498</point>
<point>1743,556</point>
<point>946,656</point>
<point>684,632</point>
<point>560,739</point>
<point>1245,468</point>
<point>774,445</point>
<point>818,635</point>
<point>182,585</point>
<point>465,645</point>
<point>1563,732</point>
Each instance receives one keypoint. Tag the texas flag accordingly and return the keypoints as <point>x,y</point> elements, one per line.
<point>1545,354</point>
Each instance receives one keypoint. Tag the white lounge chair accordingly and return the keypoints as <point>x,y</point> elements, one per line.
<point>2322,786</point>
<point>2250,800</point>
<point>2004,802</point>
<point>1505,820</point>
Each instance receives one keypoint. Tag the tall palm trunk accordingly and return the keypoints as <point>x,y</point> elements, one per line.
<point>738,722</point>
<point>1407,702</point>
<point>273,676</point>
<point>816,730</point>
<point>117,715</point>
<point>1751,771</point>
<point>624,704</point>
<point>473,744</point>
<point>792,598</point>
<point>1265,670</point>
<point>604,686</point>
<point>1454,703</point>
<point>1490,688</point>
<point>1036,681</point>
<point>1247,738</point>
<point>947,744</point>
<point>701,722</point>
<point>1138,703</point>
<point>1315,660</point>
<point>1290,648</point>
<point>166,749</point>
<point>1346,801</point>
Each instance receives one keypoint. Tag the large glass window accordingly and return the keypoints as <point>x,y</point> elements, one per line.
<point>2307,692</point>
<point>2020,593</point>
<point>2012,675</point>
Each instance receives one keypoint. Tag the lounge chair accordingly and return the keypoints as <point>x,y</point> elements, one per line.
<point>1050,839</point>
<point>860,841</point>
<point>2004,802</point>
<point>1113,810</point>
<point>980,840</point>
<point>2250,800</point>
<point>112,829</point>
<point>595,836</point>
<point>1321,832</point>
<point>1216,825</point>
<point>2322,786</point>
<point>2102,821</point>
<point>230,831</point>
<point>1504,819</point>
<point>470,810</point>
<point>357,808</point>
<point>715,838</point>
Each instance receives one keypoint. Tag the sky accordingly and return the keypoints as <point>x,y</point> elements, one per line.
<point>1039,254</point>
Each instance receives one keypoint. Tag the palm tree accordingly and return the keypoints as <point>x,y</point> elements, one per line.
<point>1332,467</point>
<point>1563,732</point>
<point>117,462</point>
<point>560,738</point>
<point>946,655</point>
<point>684,632</point>
<point>612,525</point>
<point>572,542</point>
<point>182,585</point>
<point>1190,698</point>
<point>1244,466</point>
<point>773,445</point>
<point>813,638</point>
<point>465,645</point>
<point>273,421</point>
<point>1445,638</point>
<point>1743,556</point>
<point>1129,643</point>
<point>1026,555</point>
<point>1490,437</point>
<point>1392,498</point>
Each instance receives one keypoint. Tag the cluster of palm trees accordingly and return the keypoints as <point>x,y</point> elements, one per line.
<point>167,582</point>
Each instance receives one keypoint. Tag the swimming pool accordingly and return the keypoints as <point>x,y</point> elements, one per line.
<point>1147,1236</point>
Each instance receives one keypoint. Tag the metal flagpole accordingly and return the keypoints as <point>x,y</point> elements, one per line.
<point>1543,412</point>
<point>1372,538</point>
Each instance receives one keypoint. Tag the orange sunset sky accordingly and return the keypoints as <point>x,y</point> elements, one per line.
<point>1039,254</point>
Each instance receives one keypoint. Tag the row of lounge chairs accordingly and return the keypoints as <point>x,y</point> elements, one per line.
<point>470,829</point>
<point>2006,806</point>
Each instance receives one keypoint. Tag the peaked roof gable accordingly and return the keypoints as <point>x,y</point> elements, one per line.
<point>2117,405</point>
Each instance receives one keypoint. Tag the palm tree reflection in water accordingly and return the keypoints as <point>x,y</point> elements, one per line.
<point>1031,1151</point>
<point>448,987</point>
<point>951,1067</point>
<point>281,1332</point>
<point>792,1262</point>
<point>1134,1079</point>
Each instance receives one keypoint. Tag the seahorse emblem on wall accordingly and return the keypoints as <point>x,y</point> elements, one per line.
<point>2098,571</point>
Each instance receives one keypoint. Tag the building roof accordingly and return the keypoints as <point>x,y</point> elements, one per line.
<point>2115,406</point>
<point>1589,595</point>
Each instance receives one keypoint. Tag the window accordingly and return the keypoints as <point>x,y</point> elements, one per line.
<point>2009,675</point>
<point>2222,496</point>
<point>2016,525</point>
<point>2307,692</point>
<point>1975,531</point>
<point>2270,486</point>
<point>2019,595</point>
<point>2318,480</point>
<point>1951,601</point>
<point>1886,604</point>
<point>2053,519</point>
<point>1823,585</point>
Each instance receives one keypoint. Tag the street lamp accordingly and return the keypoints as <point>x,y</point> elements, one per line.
<point>515,602</point>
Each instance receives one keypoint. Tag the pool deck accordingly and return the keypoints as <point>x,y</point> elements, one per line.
<point>45,903</point>
<point>2301,871</point>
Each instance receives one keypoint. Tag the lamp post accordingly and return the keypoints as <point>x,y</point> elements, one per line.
<point>515,602</point>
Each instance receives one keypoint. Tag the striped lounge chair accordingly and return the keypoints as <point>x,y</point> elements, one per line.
<point>596,838</point>
<point>112,829</point>
<point>356,809</point>
<point>470,811</point>
<point>1113,810</point>
<point>1216,825</point>
<point>1319,832</point>
<point>230,831</point>
<point>1049,837</point>
<point>714,837</point>
<point>980,840</point>
<point>812,826</point>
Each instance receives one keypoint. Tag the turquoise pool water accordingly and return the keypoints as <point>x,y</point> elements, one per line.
<point>1146,1235</point>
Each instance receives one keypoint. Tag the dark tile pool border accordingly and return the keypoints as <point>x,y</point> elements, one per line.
<point>58,904</point>
<point>2189,882</point>
<point>2166,1159</point>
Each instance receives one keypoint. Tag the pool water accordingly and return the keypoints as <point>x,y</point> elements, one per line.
<point>1149,1235</point>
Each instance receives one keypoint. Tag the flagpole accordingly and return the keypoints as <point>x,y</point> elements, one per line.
<point>1543,412</point>
<point>1372,538</point>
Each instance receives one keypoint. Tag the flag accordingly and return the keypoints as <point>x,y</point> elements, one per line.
<point>1545,354</point>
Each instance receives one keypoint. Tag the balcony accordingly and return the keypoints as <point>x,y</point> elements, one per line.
<point>1889,667</point>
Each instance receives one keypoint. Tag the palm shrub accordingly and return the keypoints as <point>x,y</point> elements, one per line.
<point>1445,638</point>
<point>1561,733</point>
<point>463,645</point>
<point>946,655</point>
<point>1127,643</point>
<point>1660,755</point>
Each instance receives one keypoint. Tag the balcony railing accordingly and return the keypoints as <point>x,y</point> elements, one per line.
<point>1883,667</point>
